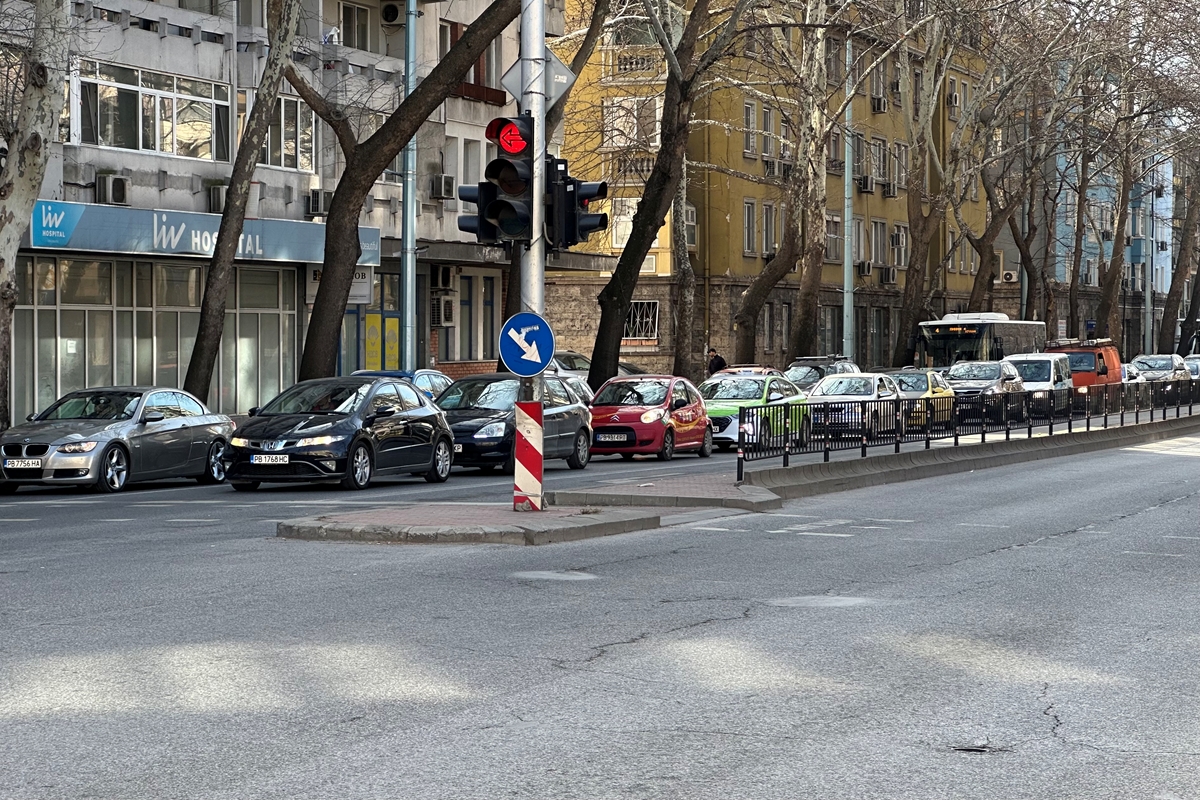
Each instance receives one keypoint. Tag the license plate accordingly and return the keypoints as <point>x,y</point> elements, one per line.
<point>610,437</point>
<point>458,448</point>
<point>268,459</point>
<point>22,463</point>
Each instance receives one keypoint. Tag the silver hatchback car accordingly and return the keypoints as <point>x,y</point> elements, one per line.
<point>109,437</point>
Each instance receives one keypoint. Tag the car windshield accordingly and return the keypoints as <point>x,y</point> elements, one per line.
<point>974,371</point>
<point>1082,362</point>
<point>632,393</point>
<point>803,376</point>
<point>732,389</point>
<point>323,397</point>
<point>480,394</point>
<point>1033,371</point>
<point>913,383</point>
<point>1194,368</point>
<point>1154,362</point>
<point>94,405</point>
<point>845,385</point>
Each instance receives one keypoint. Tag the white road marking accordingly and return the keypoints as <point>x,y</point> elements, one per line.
<point>120,519</point>
<point>815,533</point>
<point>871,527</point>
<point>23,519</point>
<point>1193,538</point>
<point>937,541</point>
<point>698,528</point>
<point>980,525</point>
<point>796,516</point>
<point>193,520</point>
<point>1146,553</point>
<point>872,519</point>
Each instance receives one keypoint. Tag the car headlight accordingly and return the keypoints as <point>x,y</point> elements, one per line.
<point>319,441</point>
<point>1083,390</point>
<point>493,430</point>
<point>77,447</point>
<point>238,441</point>
<point>653,415</point>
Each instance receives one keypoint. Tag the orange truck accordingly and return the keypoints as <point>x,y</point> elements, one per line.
<point>1093,361</point>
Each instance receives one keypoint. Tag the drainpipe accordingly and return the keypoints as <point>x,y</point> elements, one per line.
<point>408,232</point>
<point>848,214</point>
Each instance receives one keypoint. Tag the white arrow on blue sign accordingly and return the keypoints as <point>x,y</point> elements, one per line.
<point>526,344</point>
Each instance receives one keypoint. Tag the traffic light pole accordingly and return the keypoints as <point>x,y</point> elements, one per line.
<point>533,102</point>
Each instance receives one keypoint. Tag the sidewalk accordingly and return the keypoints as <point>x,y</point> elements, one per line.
<point>717,489</point>
<point>468,523</point>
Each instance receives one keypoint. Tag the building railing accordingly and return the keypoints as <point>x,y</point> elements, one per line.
<point>787,429</point>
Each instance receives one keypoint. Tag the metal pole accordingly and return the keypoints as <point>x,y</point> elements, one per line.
<point>1147,289</point>
<point>533,102</point>
<point>408,230</point>
<point>848,214</point>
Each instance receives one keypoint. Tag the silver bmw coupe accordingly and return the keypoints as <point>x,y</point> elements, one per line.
<point>110,437</point>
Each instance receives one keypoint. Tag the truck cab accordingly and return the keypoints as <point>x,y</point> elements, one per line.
<point>1094,362</point>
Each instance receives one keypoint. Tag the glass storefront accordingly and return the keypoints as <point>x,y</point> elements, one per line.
<point>81,322</point>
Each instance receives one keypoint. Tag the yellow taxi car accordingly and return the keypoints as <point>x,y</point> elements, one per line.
<point>920,385</point>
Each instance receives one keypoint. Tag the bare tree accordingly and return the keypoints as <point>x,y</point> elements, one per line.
<point>282,19</point>
<point>38,36</point>
<point>1185,253</point>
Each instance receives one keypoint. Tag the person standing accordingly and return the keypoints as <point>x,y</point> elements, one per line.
<point>715,362</point>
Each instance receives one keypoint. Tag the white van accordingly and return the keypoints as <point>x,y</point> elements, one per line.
<point>1043,373</point>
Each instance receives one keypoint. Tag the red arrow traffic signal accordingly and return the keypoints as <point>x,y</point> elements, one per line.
<point>513,136</point>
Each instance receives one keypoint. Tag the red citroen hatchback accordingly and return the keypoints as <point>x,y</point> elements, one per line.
<point>651,414</point>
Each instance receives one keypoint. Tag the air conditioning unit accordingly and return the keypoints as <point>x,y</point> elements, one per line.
<point>1164,246</point>
<point>216,199</point>
<point>769,170</point>
<point>889,189</point>
<point>1009,276</point>
<point>866,184</point>
<point>835,165</point>
<point>1106,236</point>
<point>887,276</point>
<point>863,268</point>
<point>443,187</point>
<point>441,311</point>
<point>952,99</point>
<point>443,279</point>
<point>113,190</point>
<point>318,202</point>
<point>391,14</point>
<point>879,105</point>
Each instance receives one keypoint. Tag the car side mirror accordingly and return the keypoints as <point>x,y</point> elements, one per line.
<point>1009,378</point>
<point>885,393</point>
<point>1103,369</point>
<point>254,411</point>
<point>678,403</point>
<point>152,416</point>
<point>31,417</point>
<point>774,396</point>
<point>385,411</point>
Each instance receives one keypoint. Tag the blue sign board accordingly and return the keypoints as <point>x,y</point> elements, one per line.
<point>1091,324</point>
<point>526,344</point>
<point>140,231</point>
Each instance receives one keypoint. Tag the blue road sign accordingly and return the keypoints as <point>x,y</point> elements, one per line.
<point>526,344</point>
<point>1091,324</point>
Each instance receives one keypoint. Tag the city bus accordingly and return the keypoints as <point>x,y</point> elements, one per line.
<point>976,337</point>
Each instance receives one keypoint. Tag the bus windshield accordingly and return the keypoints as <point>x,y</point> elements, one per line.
<point>945,342</point>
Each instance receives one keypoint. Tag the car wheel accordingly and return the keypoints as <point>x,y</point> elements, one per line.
<point>9,488</point>
<point>706,447</point>
<point>359,468</point>
<point>805,433</point>
<point>872,426</point>
<point>582,452</point>
<point>668,446</point>
<point>214,465</point>
<point>245,486</point>
<point>114,469</point>
<point>439,465</point>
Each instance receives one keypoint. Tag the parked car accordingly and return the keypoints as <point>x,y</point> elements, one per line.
<point>725,392</point>
<point>346,430</point>
<point>1131,374</point>
<point>429,381</point>
<point>1193,365</point>
<point>580,387</point>
<point>568,362</point>
<point>1047,377</point>
<point>988,379</point>
<point>1162,367</point>
<point>1093,361</point>
<point>110,437</point>
<point>749,369</point>
<point>806,371</point>
<point>657,414</point>
<point>850,404</point>
<point>481,410</point>
<point>626,368</point>
<point>919,385</point>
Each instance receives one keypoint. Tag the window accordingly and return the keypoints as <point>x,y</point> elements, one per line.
<point>642,320</point>
<point>859,252</point>
<point>879,159</point>
<point>623,209</point>
<point>900,165</point>
<point>830,330</point>
<point>188,406</point>
<point>900,245</point>
<point>290,141</point>
<point>768,129</point>
<point>952,98</point>
<point>861,155</point>
<point>785,144</point>
<point>769,326</point>
<point>769,244</point>
<point>833,237</point>
<point>749,122</point>
<point>879,80</point>
<point>445,37</point>
<point>918,92</point>
<point>749,227</point>
<point>834,146</point>
<point>649,264</point>
<point>951,244</point>
<point>355,27</point>
<point>493,64</point>
<point>879,242</point>
<point>139,109</point>
<point>384,398</point>
<point>689,225</point>
<point>632,121</point>
<point>408,397</point>
<point>833,60</point>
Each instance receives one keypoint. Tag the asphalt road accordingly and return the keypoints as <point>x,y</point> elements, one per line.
<point>1022,632</point>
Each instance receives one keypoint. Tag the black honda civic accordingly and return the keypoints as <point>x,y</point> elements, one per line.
<point>341,429</point>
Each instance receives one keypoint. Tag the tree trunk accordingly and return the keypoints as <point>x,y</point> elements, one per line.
<point>745,318</point>
<point>805,334</point>
<point>1074,321</point>
<point>283,16</point>
<point>367,161</point>
<point>1183,263</point>
<point>41,102</point>
<point>1108,315</point>
<point>685,363</point>
<point>1024,241</point>
<point>1191,323</point>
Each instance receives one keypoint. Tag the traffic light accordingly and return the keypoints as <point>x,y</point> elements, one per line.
<point>481,195</point>
<point>511,174</point>
<point>559,195</point>
<point>582,222</point>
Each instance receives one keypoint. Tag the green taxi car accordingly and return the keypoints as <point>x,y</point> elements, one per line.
<point>724,394</point>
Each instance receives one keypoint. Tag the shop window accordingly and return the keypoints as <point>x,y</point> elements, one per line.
<point>258,288</point>
<point>178,285</point>
<point>24,278</point>
<point>85,282</point>
<point>489,318</point>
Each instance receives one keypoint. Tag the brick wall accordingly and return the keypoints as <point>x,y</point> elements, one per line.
<point>461,369</point>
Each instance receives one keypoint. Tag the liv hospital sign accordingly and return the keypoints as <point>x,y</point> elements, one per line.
<point>137,231</point>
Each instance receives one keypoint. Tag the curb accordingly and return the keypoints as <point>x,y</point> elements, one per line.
<point>753,498</point>
<point>531,532</point>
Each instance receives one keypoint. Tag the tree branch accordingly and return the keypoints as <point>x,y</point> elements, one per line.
<point>330,114</point>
